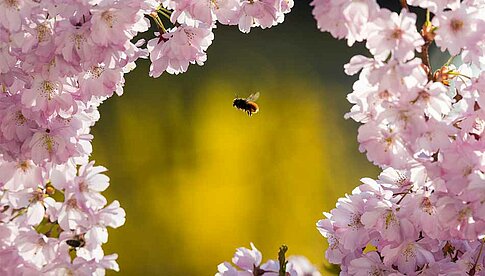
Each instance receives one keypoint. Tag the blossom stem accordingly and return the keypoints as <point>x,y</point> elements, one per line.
<point>159,22</point>
<point>282,260</point>
<point>164,9</point>
<point>456,73</point>
<point>403,196</point>
<point>455,258</point>
<point>473,269</point>
<point>20,212</point>
<point>450,60</point>
<point>164,13</point>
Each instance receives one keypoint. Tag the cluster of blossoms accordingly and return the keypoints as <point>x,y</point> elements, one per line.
<point>426,213</point>
<point>59,60</point>
<point>249,263</point>
<point>173,50</point>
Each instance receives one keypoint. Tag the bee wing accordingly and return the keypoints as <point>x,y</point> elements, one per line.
<point>253,97</point>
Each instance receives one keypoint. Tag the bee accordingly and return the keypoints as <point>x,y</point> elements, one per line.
<point>248,104</point>
<point>77,241</point>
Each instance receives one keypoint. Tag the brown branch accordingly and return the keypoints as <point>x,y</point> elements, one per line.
<point>425,59</point>
<point>404,4</point>
<point>427,32</point>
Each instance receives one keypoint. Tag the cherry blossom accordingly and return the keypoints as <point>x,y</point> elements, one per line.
<point>424,130</point>
<point>423,126</point>
<point>175,50</point>
<point>393,33</point>
<point>248,262</point>
<point>460,26</point>
<point>59,60</point>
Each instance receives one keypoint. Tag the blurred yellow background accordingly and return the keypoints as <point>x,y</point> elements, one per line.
<point>199,178</point>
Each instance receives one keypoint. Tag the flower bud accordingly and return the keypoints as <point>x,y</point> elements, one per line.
<point>428,32</point>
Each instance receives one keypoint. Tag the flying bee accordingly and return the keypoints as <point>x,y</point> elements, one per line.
<point>248,104</point>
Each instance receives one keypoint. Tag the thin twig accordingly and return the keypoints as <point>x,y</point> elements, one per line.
<point>473,270</point>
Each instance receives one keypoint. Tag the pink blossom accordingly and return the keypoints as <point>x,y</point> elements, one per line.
<point>94,238</point>
<point>458,161</point>
<point>421,208</point>
<point>363,98</point>
<point>12,13</point>
<point>344,18</point>
<point>111,216</point>
<point>396,77</point>
<point>89,184</point>
<point>335,252</point>
<point>381,216</point>
<point>225,11</point>
<point>434,97</point>
<point>247,259</point>
<point>433,137</point>
<point>7,60</point>
<point>471,259</point>
<point>20,175</point>
<point>461,219</point>
<point>409,255</point>
<point>394,33</point>
<point>11,263</point>
<point>74,42</point>
<point>37,249</point>
<point>271,268</point>
<point>458,29</point>
<point>400,181</point>
<point>348,224</point>
<point>173,51</point>
<point>16,124</point>
<point>100,81</point>
<point>51,146</point>
<point>299,265</point>
<point>259,13</point>
<point>50,97</point>
<point>226,269</point>
<point>435,5</point>
<point>383,146</point>
<point>80,266</point>
<point>369,264</point>
<point>37,209</point>
<point>329,17</point>
<point>70,215</point>
<point>115,23</point>
<point>476,188</point>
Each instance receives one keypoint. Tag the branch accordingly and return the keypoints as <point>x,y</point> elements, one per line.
<point>404,4</point>
<point>425,59</point>
<point>282,260</point>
